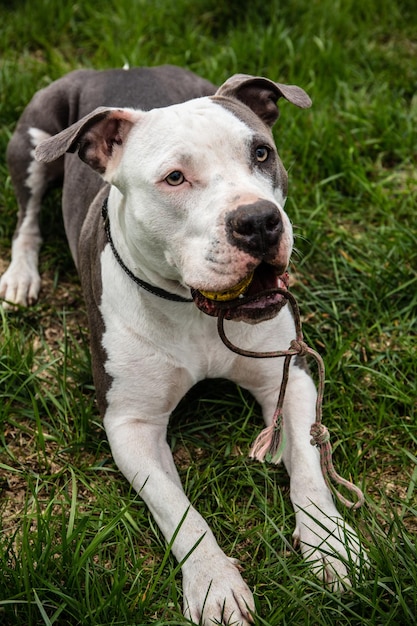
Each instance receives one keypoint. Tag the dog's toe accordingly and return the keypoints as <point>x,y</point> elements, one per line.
<point>332,548</point>
<point>218,596</point>
<point>19,287</point>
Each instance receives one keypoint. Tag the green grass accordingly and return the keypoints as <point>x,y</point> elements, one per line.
<point>77,546</point>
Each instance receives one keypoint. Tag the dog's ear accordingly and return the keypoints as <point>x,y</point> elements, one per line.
<point>98,137</point>
<point>261,95</point>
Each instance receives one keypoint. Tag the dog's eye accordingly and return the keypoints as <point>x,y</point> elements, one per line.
<point>175,178</point>
<point>262,153</point>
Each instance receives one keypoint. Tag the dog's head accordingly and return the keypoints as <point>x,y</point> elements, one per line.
<point>203,190</point>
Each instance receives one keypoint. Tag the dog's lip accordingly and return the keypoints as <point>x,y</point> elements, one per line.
<point>262,300</point>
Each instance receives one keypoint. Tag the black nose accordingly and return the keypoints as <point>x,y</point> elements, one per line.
<point>255,228</point>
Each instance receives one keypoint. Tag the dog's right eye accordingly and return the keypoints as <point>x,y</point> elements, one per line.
<point>175,178</point>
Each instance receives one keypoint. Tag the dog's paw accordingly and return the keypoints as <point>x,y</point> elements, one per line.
<point>331,547</point>
<point>19,285</point>
<point>215,593</point>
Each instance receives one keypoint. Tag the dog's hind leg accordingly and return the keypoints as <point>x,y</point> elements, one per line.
<point>20,284</point>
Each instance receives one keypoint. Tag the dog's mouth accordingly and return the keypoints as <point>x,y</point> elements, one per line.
<point>256,298</point>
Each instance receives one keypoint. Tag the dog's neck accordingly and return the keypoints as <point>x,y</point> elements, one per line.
<point>153,289</point>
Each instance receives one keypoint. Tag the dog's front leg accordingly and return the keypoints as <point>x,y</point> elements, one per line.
<point>213,586</point>
<point>326,541</point>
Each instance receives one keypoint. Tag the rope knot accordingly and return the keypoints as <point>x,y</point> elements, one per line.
<point>320,434</point>
<point>300,347</point>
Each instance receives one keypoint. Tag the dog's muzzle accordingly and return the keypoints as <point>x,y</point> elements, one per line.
<point>256,229</point>
<point>261,300</point>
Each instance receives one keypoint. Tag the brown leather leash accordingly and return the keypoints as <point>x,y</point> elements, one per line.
<point>269,444</point>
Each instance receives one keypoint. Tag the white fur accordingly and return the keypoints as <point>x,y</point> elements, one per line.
<point>217,179</point>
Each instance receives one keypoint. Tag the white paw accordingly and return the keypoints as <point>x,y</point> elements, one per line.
<point>330,545</point>
<point>215,593</point>
<point>20,284</point>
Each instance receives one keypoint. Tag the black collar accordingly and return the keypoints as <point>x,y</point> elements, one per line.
<point>156,291</point>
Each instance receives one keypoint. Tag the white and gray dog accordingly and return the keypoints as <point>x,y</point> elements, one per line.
<point>193,192</point>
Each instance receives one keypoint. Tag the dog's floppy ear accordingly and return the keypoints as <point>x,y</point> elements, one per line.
<point>261,95</point>
<point>98,138</point>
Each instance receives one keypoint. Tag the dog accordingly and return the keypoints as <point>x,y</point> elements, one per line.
<point>173,204</point>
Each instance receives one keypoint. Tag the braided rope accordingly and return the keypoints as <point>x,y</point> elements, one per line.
<point>269,444</point>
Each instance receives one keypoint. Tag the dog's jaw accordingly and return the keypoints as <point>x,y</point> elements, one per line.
<point>262,301</point>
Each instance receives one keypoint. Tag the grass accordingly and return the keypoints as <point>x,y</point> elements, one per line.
<point>77,546</point>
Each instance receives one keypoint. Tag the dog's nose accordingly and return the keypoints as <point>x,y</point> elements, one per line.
<point>255,228</point>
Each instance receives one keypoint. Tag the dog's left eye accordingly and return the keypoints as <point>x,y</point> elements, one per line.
<point>262,153</point>
<point>175,178</point>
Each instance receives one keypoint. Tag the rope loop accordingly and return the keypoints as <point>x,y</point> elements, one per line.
<point>269,445</point>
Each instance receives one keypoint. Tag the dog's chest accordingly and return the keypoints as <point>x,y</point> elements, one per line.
<point>139,326</point>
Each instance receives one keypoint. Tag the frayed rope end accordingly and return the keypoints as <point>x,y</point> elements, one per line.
<point>269,445</point>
